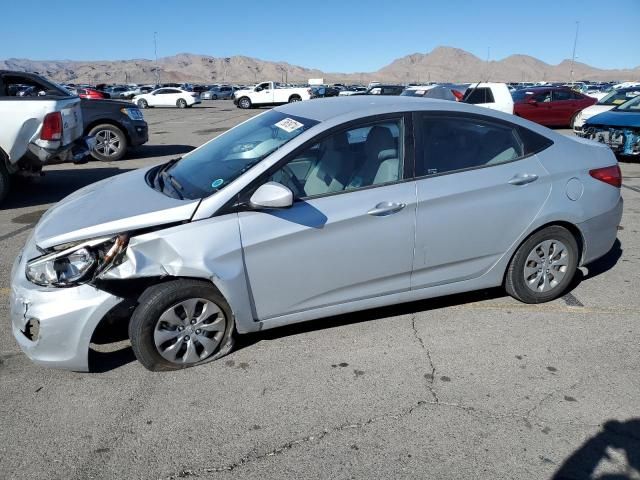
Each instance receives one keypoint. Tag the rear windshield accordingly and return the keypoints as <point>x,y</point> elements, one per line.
<point>476,96</point>
<point>27,86</point>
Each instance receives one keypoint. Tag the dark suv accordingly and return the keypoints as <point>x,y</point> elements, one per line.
<point>116,124</point>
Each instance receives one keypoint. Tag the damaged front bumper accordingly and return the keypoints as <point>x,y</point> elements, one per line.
<point>54,326</point>
<point>53,152</point>
<point>621,140</point>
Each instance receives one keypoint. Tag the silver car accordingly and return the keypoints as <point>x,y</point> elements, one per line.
<point>309,210</point>
<point>224,92</point>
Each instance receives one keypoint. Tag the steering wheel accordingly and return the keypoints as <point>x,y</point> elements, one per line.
<point>293,180</point>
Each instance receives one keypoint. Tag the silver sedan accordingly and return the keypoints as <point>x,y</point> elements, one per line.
<point>310,210</point>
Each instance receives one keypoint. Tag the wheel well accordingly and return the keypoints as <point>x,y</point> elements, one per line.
<point>575,231</point>
<point>114,325</point>
<point>108,122</point>
<point>295,95</point>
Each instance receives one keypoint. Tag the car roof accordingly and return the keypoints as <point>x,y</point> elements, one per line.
<point>358,106</point>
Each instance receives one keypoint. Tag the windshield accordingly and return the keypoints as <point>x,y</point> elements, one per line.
<point>618,97</point>
<point>219,162</point>
<point>632,105</point>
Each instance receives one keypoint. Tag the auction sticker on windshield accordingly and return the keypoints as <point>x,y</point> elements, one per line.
<point>289,125</point>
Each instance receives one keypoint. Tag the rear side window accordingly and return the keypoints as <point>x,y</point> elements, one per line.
<point>15,85</point>
<point>454,143</point>
<point>559,95</point>
<point>478,95</point>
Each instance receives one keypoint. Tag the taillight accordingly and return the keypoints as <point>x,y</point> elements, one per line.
<point>611,175</point>
<point>52,126</point>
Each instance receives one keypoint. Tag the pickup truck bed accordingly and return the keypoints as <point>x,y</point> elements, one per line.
<point>39,122</point>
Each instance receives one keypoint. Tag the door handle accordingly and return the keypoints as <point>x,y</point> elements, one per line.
<point>386,208</point>
<point>523,178</point>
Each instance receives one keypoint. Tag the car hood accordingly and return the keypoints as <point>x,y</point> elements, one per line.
<point>117,204</point>
<point>595,110</point>
<point>615,118</point>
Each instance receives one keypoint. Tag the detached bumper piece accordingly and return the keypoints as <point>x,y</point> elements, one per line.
<point>621,140</point>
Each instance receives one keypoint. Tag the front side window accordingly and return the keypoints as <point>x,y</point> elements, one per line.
<point>217,163</point>
<point>453,143</point>
<point>346,160</point>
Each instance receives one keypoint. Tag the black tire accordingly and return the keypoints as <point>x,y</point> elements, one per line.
<point>215,97</point>
<point>295,98</point>
<point>5,180</point>
<point>111,143</point>
<point>244,103</point>
<point>154,302</point>
<point>142,103</point>
<point>181,103</point>
<point>515,283</point>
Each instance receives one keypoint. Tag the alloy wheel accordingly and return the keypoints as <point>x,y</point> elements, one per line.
<point>546,266</point>
<point>189,331</point>
<point>108,143</point>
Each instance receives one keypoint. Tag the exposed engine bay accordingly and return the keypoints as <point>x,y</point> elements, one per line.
<point>622,140</point>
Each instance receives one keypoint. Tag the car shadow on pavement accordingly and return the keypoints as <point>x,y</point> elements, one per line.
<point>246,340</point>
<point>54,186</point>
<point>597,451</point>
<point>101,361</point>
<point>600,266</point>
<point>150,151</point>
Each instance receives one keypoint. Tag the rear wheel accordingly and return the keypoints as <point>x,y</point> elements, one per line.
<point>244,102</point>
<point>111,143</point>
<point>543,266</point>
<point>295,98</point>
<point>180,324</point>
<point>181,103</point>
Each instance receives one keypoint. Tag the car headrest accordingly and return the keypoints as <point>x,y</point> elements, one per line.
<point>379,139</point>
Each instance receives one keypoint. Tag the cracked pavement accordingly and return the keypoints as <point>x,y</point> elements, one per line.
<point>470,386</point>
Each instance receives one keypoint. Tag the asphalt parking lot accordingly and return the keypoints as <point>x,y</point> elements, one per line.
<point>469,386</point>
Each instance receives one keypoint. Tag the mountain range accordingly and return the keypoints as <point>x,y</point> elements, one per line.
<point>443,64</point>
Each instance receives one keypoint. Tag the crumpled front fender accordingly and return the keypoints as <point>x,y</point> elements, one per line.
<point>208,249</point>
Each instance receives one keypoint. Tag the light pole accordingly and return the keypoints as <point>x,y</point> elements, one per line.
<point>155,51</point>
<point>573,57</point>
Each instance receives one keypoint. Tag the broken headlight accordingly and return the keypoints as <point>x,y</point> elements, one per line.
<point>71,265</point>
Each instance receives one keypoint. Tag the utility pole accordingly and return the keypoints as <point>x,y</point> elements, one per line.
<point>155,51</point>
<point>573,57</point>
<point>488,57</point>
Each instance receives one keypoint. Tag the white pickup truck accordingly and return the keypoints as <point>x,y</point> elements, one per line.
<point>270,93</point>
<point>40,122</point>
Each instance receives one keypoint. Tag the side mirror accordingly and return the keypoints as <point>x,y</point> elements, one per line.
<point>258,89</point>
<point>272,195</point>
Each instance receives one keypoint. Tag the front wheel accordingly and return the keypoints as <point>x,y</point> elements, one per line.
<point>142,103</point>
<point>180,324</point>
<point>244,103</point>
<point>543,266</point>
<point>181,103</point>
<point>111,143</point>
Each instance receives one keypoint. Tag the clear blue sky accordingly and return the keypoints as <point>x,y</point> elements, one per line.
<point>339,36</point>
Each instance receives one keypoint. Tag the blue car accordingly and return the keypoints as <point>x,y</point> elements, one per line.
<point>618,128</point>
